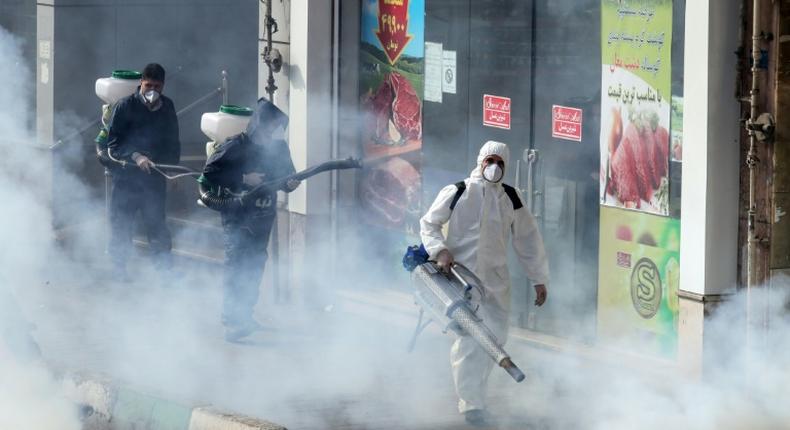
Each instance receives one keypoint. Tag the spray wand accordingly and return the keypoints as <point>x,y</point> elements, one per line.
<point>228,200</point>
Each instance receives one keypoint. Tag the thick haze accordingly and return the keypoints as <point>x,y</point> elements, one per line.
<point>29,397</point>
<point>338,360</point>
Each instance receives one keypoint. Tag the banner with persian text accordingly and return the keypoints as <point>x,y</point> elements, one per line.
<point>635,104</point>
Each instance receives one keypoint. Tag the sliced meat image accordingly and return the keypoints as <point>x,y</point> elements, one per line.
<point>639,162</point>
<point>660,154</point>
<point>394,111</point>
<point>625,183</point>
<point>643,157</point>
<point>390,191</point>
<point>381,109</point>
<point>406,109</point>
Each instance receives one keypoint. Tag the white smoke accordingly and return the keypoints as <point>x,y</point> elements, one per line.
<point>342,366</point>
<point>29,397</point>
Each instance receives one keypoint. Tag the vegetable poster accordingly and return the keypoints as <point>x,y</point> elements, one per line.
<point>391,79</point>
<point>635,104</point>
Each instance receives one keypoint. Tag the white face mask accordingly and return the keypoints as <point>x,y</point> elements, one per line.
<point>151,96</point>
<point>493,173</point>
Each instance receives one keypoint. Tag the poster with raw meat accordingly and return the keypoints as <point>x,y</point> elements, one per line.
<point>635,104</point>
<point>391,80</point>
<point>638,281</point>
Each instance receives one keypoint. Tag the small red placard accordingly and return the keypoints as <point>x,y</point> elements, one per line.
<point>624,259</point>
<point>496,111</point>
<point>566,123</point>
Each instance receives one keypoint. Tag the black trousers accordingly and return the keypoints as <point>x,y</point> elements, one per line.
<point>146,195</point>
<point>246,236</point>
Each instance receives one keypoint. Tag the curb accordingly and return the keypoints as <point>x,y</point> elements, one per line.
<point>108,406</point>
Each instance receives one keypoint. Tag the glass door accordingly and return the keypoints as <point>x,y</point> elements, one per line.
<point>517,63</point>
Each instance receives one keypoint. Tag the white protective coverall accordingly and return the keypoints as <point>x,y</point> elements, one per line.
<point>480,227</point>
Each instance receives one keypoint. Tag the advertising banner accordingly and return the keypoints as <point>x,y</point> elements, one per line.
<point>638,281</point>
<point>635,104</point>
<point>391,80</point>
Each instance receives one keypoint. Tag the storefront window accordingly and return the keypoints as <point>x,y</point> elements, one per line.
<point>537,76</point>
<point>535,56</point>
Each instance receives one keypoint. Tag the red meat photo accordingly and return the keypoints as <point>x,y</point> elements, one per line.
<point>394,112</point>
<point>390,192</point>
<point>638,163</point>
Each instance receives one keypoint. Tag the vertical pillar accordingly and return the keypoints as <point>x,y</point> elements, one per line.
<point>310,139</point>
<point>709,227</point>
<point>310,100</point>
<point>45,85</point>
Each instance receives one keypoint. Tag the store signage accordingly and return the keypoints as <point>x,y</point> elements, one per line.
<point>636,108</point>
<point>393,27</point>
<point>646,288</point>
<point>623,259</point>
<point>566,123</point>
<point>496,111</point>
<point>638,281</point>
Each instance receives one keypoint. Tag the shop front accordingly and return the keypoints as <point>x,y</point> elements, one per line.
<point>583,93</point>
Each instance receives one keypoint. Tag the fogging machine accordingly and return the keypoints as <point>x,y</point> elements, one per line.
<point>449,300</point>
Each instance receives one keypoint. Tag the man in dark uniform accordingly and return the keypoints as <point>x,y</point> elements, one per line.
<point>238,165</point>
<point>143,131</point>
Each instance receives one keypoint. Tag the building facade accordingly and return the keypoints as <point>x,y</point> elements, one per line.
<point>624,121</point>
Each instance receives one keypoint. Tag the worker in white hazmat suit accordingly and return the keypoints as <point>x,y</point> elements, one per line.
<point>484,215</point>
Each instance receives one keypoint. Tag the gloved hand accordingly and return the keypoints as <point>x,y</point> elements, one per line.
<point>445,260</point>
<point>541,293</point>
<point>144,163</point>
<point>252,179</point>
<point>291,185</point>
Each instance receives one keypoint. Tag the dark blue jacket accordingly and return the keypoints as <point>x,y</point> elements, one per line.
<point>134,128</point>
<point>253,151</point>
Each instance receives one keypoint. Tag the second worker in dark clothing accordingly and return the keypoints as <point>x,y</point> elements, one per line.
<point>238,165</point>
<point>143,131</point>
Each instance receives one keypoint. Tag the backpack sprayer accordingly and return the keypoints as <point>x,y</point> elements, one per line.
<point>449,299</point>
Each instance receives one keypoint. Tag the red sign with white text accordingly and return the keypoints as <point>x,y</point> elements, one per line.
<point>496,111</point>
<point>566,123</point>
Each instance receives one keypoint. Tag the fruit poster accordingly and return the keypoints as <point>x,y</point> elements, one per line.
<point>638,282</point>
<point>636,37</point>
<point>391,80</point>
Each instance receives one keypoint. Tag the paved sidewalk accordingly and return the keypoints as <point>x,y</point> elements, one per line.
<point>335,365</point>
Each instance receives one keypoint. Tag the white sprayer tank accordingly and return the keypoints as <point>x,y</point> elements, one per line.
<point>218,126</point>
<point>121,84</point>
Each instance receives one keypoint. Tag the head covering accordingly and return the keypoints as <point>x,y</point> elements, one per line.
<point>491,147</point>
<point>271,154</point>
<point>265,119</point>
